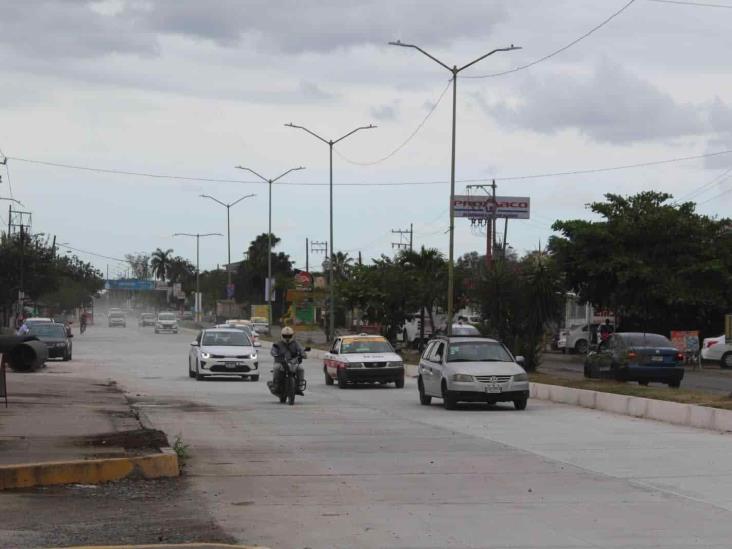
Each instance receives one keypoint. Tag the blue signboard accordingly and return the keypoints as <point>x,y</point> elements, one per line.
<point>131,284</point>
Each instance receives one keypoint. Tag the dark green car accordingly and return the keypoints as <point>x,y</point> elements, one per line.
<point>56,338</point>
<point>636,356</point>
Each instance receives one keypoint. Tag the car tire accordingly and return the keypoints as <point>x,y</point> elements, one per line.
<point>199,376</point>
<point>191,374</point>
<point>328,379</point>
<point>448,399</point>
<point>399,383</point>
<point>520,403</point>
<point>254,377</point>
<point>424,398</point>
<point>342,383</point>
<point>726,361</point>
<point>581,347</point>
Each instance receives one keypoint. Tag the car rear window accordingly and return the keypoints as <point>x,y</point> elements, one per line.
<point>351,346</point>
<point>646,340</point>
<point>48,330</point>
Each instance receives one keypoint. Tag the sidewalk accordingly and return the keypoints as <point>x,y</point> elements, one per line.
<point>56,419</point>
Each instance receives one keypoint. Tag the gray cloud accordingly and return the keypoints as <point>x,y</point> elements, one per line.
<point>612,105</point>
<point>384,112</point>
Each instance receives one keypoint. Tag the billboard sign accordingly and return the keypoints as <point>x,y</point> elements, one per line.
<point>303,280</point>
<point>130,284</point>
<point>482,207</point>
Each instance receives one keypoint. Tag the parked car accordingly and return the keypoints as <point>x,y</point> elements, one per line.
<point>117,318</point>
<point>637,356</point>
<point>362,359</point>
<point>247,329</point>
<point>576,339</point>
<point>261,324</point>
<point>166,322</point>
<point>471,369</point>
<point>718,350</point>
<point>56,338</point>
<point>186,315</point>
<point>147,319</point>
<point>223,352</point>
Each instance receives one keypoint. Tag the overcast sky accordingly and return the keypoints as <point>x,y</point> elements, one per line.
<point>195,88</point>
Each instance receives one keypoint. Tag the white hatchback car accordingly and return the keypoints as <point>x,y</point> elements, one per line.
<point>223,352</point>
<point>472,369</point>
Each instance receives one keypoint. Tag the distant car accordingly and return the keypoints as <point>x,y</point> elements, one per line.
<point>637,356</point>
<point>56,338</point>
<point>261,324</point>
<point>186,315</point>
<point>117,318</point>
<point>247,329</point>
<point>147,319</point>
<point>38,320</point>
<point>223,352</point>
<point>461,329</point>
<point>166,322</point>
<point>471,369</point>
<point>718,350</point>
<point>362,359</point>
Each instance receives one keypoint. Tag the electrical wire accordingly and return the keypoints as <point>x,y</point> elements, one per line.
<point>560,50</point>
<point>698,4</point>
<point>407,140</point>
<point>703,188</point>
<point>715,197</point>
<point>66,246</point>
<point>7,170</point>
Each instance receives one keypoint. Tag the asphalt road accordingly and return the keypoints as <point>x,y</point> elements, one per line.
<point>372,468</point>
<point>709,378</point>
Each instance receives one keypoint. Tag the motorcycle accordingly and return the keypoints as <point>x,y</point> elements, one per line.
<point>288,384</point>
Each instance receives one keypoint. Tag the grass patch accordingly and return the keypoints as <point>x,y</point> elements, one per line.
<point>684,396</point>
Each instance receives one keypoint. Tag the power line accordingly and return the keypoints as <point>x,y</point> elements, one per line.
<point>562,49</point>
<point>703,188</point>
<point>699,4</point>
<point>403,143</point>
<point>91,253</point>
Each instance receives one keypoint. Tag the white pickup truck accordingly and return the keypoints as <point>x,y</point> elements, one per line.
<point>717,349</point>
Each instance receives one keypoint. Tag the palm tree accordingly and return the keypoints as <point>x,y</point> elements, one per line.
<point>429,270</point>
<point>342,265</point>
<point>160,263</point>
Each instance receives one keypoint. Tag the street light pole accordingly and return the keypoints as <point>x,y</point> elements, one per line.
<point>198,270</point>
<point>454,70</point>
<point>268,286</point>
<point>228,227</point>
<point>331,278</point>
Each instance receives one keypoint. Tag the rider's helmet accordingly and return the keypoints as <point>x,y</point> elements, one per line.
<point>287,333</point>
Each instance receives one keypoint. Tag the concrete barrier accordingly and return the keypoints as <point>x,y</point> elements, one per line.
<point>691,415</point>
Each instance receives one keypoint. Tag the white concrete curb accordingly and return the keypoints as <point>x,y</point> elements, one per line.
<point>691,415</point>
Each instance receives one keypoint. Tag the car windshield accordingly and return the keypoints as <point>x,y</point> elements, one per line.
<point>48,330</point>
<point>166,316</point>
<point>478,351</point>
<point>646,340</point>
<point>117,315</point>
<point>366,346</point>
<point>226,339</point>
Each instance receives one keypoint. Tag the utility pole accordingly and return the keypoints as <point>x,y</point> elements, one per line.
<point>454,70</point>
<point>490,222</point>
<point>269,284</point>
<point>228,227</point>
<point>331,277</point>
<point>307,256</point>
<point>493,219</point>
<point>401,245</point>
<point>198,237</point>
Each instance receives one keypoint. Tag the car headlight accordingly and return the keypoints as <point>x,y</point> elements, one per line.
<point>60,345</point>
<point>205,355</point>
<point>521,377</point>
<point>254,356</point>
<point>463,378</point>
<point>398,364</point>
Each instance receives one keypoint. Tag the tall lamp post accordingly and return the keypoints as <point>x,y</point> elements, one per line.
<point>228,227</point>
<point>269,235</point>
<point>454,70</point>
<point>198,237</point>
<point>331,278</point>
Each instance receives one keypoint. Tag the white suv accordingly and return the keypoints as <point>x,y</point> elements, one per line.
<point>472,369</point>
<point>166,322</point>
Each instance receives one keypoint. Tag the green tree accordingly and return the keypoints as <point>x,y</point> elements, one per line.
<point>427,269</point>
<point>140,265</point>
<point>182,271</point>
<point>658,264</point>
<point>160,263</point>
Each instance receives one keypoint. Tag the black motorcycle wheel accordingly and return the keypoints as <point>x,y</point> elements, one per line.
<point>290,390</point>
<point>283,391</point>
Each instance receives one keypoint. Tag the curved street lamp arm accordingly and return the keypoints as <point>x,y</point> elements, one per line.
<point>214,199</point>
<point>13,200</point>
<point>242,198</point>
<point>369,127</point>
<point>291,125</point>
<point>252,171</point>
<point>288,171</point>
<point>185,234</point>
<point>398,43</point>
<point>511,48</point>
<point>211,234</point>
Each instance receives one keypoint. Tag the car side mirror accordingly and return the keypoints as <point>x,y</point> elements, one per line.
<point>307,349</point>
<point>520,360</point>
<point>194,343</point>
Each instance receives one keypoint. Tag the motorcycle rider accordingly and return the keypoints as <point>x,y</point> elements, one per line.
<point>282,351</point>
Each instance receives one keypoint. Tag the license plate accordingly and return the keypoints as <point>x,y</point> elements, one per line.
<point>232,364</point>
<point>493,388</point>
<point>656,359</point>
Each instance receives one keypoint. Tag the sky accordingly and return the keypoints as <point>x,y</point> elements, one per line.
<point>192,89</point>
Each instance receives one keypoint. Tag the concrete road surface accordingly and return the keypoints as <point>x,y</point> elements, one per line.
<point>372,468</point>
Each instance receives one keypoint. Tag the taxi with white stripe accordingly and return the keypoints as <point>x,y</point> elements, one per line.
<point>362,358</point>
